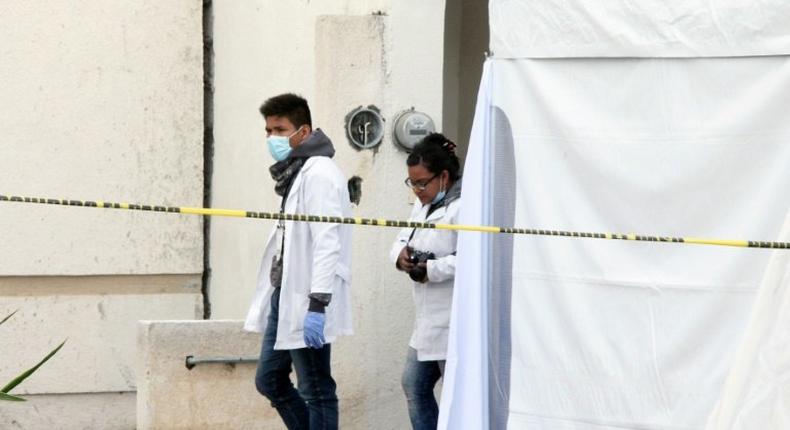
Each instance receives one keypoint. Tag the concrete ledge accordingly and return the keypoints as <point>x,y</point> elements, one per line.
<point>210,396</point>
<point>29,286</point>
<point>106,411</point>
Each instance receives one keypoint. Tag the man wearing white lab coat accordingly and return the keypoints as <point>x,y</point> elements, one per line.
<point>302,301</point>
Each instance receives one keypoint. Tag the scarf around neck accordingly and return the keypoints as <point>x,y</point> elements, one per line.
<point>284,172</point>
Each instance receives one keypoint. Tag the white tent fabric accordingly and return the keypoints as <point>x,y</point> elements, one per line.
<point>644,28</point>
<point>757,392</point>
<point>619,334</point>
<point>560,333</point>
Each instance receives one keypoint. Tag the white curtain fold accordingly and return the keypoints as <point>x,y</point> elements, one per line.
<point>756,394</point>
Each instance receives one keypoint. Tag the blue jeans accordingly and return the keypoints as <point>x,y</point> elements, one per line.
<point>314,405</point>
<point>418,380</point>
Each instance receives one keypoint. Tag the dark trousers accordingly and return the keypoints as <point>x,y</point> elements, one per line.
<point>418,381</point>
<point>314,405</point>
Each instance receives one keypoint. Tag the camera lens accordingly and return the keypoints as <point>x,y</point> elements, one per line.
<point>417,274</point>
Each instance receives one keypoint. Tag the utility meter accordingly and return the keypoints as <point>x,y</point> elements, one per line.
<point>410,127</point>
<point>364,127</point>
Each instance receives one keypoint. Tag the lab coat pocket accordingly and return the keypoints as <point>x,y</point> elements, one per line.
<point>297,310</point>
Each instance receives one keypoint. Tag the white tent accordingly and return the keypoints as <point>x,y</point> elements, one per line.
<point>666,118</point>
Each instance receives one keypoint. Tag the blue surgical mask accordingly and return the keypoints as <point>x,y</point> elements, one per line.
<point>280,146</point>
<point>440,195</point>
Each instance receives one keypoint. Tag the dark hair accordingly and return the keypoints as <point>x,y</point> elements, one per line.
<point>290,106</point>
<point>436,153</point>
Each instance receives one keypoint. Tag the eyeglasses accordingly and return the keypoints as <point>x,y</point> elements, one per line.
<point>419,185</point>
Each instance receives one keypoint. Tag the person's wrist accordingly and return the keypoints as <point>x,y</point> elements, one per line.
<point>316,306</point>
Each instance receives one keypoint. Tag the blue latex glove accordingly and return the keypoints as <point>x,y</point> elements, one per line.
<point>314,330</point>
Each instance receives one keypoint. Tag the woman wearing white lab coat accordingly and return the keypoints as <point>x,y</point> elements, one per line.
<point>428,257</point>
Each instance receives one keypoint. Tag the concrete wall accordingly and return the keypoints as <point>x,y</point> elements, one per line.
<point>208,396</point>
<point>97,107</point>
<point>104,101</point>
<point>101,101</point>
<point>339,55</point>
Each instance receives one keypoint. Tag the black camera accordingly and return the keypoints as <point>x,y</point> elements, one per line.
<point>417,274</point>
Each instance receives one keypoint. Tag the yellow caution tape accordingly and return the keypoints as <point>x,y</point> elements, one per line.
<point>393,223</point>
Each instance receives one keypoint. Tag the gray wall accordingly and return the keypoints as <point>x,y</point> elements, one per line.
<point>96,107</point>
<point>465,43</point>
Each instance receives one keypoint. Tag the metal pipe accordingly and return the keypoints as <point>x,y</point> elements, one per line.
<point>192,361</point>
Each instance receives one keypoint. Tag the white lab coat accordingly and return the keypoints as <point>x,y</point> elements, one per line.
<point>433,299</point>
<point>316,259</point>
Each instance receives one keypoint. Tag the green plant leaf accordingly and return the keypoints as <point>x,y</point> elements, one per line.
<point>6,318</point>
<point>4,396</point>
<point>18,380</point>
